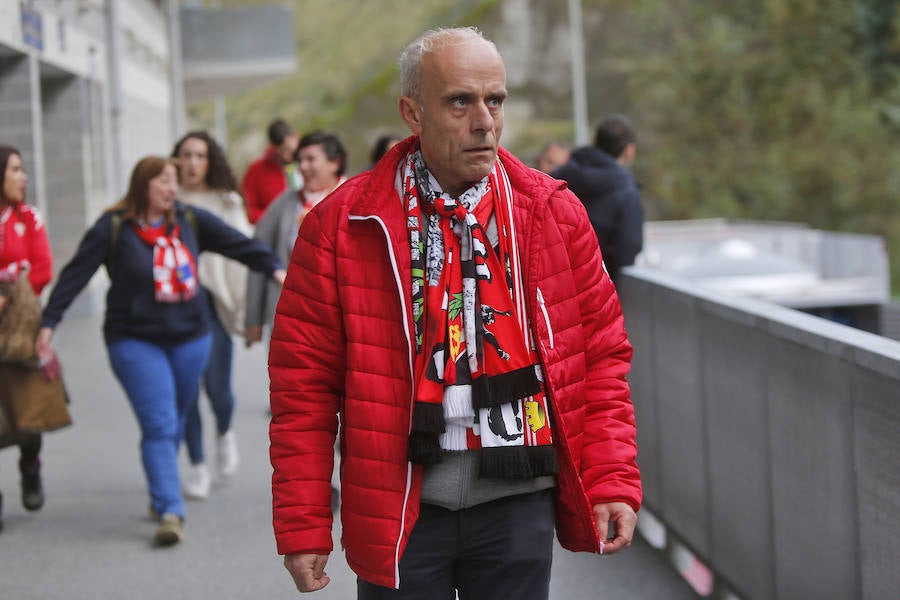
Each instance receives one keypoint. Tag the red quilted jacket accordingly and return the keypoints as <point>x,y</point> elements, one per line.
<point>341,344</point>
<point>23,236</point>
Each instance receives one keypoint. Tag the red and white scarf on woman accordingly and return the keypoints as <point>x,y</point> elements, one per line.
<point>477,378</point>
<point>174,267</point>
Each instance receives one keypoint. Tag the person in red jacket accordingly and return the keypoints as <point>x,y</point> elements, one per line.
<point>23,245</point>
<point>273,172</point>
<point>449,309</point>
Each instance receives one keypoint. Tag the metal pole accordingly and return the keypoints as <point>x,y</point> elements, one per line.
<point>37,132</point>
<point>221,120</point>
<point>114,59</point>
<point>176,70</point>
<point>579,79</point>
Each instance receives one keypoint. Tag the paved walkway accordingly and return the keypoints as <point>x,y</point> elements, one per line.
<point>92,539</point>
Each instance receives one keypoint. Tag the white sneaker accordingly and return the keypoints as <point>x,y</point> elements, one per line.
<point>197,482</point>
<point>227,454</point>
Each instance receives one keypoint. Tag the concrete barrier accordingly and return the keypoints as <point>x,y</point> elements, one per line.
<point>768,440</point>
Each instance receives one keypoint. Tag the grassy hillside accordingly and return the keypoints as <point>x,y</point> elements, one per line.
<point>347,80</point>
<point>784,110</point>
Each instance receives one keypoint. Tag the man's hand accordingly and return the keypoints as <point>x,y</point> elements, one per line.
<point>622,516</point>
<point>308,570</point>
<point>253,334</point>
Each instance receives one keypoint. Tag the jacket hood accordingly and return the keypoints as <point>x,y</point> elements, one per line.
<point>591,167</point>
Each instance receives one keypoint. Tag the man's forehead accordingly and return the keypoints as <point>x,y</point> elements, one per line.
<point>462,51</point>
<point>454,65</point>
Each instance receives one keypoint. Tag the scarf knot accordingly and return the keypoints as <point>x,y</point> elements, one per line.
<point>174,267</point>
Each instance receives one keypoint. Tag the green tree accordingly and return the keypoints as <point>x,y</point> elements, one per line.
<point>766,110</point>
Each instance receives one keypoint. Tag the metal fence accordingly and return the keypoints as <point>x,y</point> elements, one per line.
<point>769,440</point>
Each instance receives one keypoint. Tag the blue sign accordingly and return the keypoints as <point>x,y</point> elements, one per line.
<point>32,27</point>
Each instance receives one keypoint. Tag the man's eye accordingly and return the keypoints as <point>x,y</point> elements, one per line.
<point>458,102</point>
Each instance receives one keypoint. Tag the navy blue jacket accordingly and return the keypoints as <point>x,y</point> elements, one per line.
<point>613,202</point>
<point>131,307</point>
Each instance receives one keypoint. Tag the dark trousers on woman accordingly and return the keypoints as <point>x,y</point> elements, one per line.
<point>217,383</point>
<point>492,551</point>
<point>30,448</point>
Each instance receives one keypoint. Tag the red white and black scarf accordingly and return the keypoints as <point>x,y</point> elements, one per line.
<point>174,267</point>
<point>477,378</point>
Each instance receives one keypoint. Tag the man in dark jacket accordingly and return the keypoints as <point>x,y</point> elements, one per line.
<point>600,178</point>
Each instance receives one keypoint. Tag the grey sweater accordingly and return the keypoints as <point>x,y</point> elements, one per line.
<point>454,484</point>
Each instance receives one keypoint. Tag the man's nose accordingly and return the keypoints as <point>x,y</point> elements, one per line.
<point>483,118</point>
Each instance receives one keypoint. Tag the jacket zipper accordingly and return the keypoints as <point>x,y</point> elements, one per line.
<point>543,306</point>
<point>399,282</point>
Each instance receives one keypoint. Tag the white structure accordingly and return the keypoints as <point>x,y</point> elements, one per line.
<point>85,90</point>
<point>88,87</point>
<point>231,49</point>
<point>843,276</point>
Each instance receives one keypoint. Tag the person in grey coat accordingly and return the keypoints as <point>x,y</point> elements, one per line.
<point>322,161</point>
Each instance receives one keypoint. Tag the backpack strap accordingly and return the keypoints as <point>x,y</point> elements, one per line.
<point>191,219</point>
<point>115,228</point>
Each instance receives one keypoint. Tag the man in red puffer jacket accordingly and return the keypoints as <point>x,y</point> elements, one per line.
<point>451,310</point>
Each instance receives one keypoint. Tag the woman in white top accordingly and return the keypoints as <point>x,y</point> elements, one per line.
<point>323,160</point>
<point>206,180</point>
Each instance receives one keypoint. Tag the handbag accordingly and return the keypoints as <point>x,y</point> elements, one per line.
<point>31,403</point>
<point>20,321</point>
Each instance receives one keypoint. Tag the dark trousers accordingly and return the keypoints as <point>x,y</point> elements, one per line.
<point>29,447</point>
<point>496,550</point>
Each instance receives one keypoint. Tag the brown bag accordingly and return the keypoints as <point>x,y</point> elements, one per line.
<point>19,322</point>
<point>7,429</point>
<point>33,404</point>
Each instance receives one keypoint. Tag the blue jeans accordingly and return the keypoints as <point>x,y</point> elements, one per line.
<point>217,383</point>
<point>161,382</point>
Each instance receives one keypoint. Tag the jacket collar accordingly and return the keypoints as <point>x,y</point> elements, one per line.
<point>377,195</point>
<point>528,184</point>
<point>377,198</point>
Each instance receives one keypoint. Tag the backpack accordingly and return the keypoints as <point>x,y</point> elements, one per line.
<point>116,227</point>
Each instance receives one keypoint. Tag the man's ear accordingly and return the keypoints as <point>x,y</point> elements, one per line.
<point>626,159</point>
<point>411,113</point>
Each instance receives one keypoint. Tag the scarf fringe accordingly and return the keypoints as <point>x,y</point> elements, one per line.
<point>424,448</point>
<point>458,403</point>
<point>455,438</point>
<point>428,417</point>
<point>490,391</point>
<point>518,462</point>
